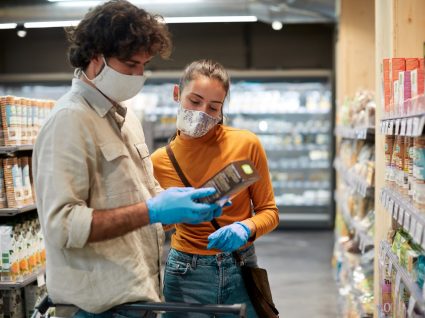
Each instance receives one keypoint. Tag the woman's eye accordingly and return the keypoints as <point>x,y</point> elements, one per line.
<point>195,102</point>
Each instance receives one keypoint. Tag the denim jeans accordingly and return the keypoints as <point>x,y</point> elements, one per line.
<point>114,313</point>
<point>216,279</point>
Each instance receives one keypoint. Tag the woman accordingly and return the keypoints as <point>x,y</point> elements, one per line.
<point>200,267</point>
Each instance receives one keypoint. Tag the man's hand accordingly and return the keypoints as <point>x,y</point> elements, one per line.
<point>178,205</point>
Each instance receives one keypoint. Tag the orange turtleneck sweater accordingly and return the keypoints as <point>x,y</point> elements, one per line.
<point>200,159</point>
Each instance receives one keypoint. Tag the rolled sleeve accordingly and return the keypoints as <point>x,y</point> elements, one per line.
<point>61,172</point>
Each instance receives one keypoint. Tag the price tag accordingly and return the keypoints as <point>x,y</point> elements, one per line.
<point>390,206</point>
<point>397,283</point>
<point>396,208</point>
<point>383,127</point>
<point>416,123</point>
<point>421,126</point>
<point>41,281</point>
<point>400,216</point>
<point>362,245</point>
<point>397,127</point>
<point>418,233</point>
<point>403,127</point>
<point>391,127</point>
<point>395,214</point>
<point>412,226</point>
<point>411,307</point>
<point>409,129</point>
<point>406,221</point>
<point>387,202</point>
<point>390,266</point>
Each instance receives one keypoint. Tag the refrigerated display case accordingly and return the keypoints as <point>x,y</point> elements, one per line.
<point>293,117</point>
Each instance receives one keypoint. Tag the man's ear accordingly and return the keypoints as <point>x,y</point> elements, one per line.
<point>176,93</point>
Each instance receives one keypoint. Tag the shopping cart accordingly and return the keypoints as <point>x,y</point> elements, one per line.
<point>150,309</point>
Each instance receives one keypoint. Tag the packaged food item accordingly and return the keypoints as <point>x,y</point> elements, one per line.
<point>13,303</point>
<point>419,171</point>
<point>387,85</point>
<point>26,182</point>
<point>386,290</point>
<point>389,145</point>
<point>13,182</point>
<point>230,180</point>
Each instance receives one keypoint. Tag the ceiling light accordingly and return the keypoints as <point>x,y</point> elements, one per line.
<point>20,31</point>
<point>277,25</point>
<point>4,26</point>
<point>77,3</point>
<point>84,2</point>
<point>211,19</point>
<point>50,24</point>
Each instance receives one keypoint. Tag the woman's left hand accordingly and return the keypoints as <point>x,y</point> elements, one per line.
<point>230,237</point>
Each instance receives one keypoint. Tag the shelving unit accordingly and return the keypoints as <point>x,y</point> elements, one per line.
<point>354,65</point>
<point>18,259</point>
<point>16,211</point>
<point>403,211</point>
<point>359,133</point>
<point>11,150</point>
<point>416,298</point>
<point>24,282</point>
<point>356,182</point>
<point>365,240</point>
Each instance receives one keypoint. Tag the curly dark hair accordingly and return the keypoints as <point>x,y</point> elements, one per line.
<point>120,29</point>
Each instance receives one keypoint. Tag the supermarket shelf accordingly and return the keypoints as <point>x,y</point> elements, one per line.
<point>26,281</point>
<point>302,206</point>
<point>304,147</point>
<point>353,180</point>
<point>15,211</point>
<point>405,213</point>
<point>410,123</point>
<point>301,185</point>
<point>362,133</point>
<point>364,239</point>
<point>416,298</point>
<point>411,126</point>
<point>315,217</point>
<point>9,150</point>
<point>290,131</point>
<point>304,169</point>
<point>302,111</point>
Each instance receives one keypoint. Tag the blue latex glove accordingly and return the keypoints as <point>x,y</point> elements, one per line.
<point>177,205</point>
<point>230,237</point>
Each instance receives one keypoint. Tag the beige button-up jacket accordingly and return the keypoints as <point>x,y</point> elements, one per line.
<point>83,161</point>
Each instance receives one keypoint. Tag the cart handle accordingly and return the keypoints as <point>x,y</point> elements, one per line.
<point>237,309</point>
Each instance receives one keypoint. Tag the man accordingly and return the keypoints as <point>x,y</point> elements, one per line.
<point>99,205</point>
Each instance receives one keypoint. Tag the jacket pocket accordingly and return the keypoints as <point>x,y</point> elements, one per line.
<point>115,168</point>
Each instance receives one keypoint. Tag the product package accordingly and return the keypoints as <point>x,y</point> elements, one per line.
<point>230,180</point>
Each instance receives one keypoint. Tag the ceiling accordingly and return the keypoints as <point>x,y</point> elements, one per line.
<point>285,11</point>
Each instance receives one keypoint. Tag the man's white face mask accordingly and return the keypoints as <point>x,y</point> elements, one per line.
<point>117,86</point>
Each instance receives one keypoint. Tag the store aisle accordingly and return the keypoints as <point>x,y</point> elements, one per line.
<point>300,272</point>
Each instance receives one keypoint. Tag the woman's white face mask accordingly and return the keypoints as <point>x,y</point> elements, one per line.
<point>117,86</point>
<point>195,123</point>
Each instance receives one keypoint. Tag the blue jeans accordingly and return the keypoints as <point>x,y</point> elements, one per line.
<point>114,313</point>
<point>215,279</point>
